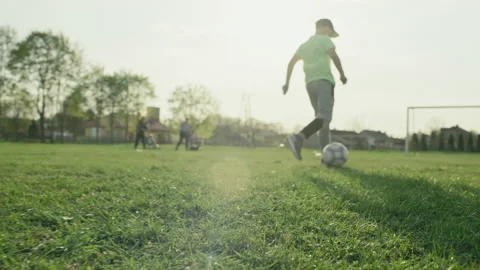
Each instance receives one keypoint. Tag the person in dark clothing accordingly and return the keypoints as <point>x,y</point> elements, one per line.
<point>141,128</point>
<point>184,134</point>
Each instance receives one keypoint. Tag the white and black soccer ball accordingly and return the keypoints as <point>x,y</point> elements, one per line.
<point>334,155</point>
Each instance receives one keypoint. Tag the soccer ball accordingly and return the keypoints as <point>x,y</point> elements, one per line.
<point>335,155</point>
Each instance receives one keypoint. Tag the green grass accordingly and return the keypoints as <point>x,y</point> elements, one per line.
<point>108,207</point>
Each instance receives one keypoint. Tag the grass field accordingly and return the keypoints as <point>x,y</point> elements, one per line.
<point>108,207</point>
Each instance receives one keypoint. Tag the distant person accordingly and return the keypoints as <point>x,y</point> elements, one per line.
<point>141,129</point>
<point>184,134</point>
<point>316,53</point>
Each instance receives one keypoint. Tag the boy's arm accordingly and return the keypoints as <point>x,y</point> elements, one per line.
<point>291,65</point>
<point>338,64</point>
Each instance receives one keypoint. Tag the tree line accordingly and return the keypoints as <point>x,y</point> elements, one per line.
<point>440,141</point>
<point>47,86</point>
<point>44,76</point>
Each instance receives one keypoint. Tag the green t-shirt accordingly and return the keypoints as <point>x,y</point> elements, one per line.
<point>316,60</point>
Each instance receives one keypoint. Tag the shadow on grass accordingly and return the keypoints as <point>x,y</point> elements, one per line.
<point>437,219</point>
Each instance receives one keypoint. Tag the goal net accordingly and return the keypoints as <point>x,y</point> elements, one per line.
<point>443,128</point>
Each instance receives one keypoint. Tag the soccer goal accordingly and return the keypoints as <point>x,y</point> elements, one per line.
<point>442,128</point>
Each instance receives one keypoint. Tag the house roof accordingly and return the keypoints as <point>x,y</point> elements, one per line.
<point>155,125</point>
<point>398,141</point>
<point>378,135</point>
<point>351,138</point>
<point>453,129</point>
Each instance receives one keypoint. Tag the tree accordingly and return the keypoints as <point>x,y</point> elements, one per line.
<point>228,131</point>
<point>8,42</point>
<point>461,143</point>
<point>43,60</point>
<point>478,143</point>
<point>441,142</point>
<point>435,123</point>
<point>113,87</point>
<point>32,130</point>
<point>451,143</point>
<point>197,104</point>
<point>20,107</point>
<point>136,89</point>
<point>96,95</point>
<point>90,115</point>
<point>470,145</point>
<point>414,142</point>
<point>68,87</point>
<point>423,143</point>
<point>434,144</point>
<point>74,114</point>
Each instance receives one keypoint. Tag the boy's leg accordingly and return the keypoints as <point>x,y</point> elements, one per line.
<point>296,141</point>
<point>326,100</point>
<point>324,136</point>
<point>322,99</point>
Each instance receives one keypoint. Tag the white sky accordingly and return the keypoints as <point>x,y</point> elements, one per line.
<point>395,52</point>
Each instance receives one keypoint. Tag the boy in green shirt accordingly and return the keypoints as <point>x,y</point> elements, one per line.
<point>316,54</point>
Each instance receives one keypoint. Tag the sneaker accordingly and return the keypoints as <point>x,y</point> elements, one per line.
<point>295,142</point>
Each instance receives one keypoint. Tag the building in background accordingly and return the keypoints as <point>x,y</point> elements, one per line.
<point>159,131</point>
<point>350,139</point>
<point>454,132</point>
<point>377,139</point>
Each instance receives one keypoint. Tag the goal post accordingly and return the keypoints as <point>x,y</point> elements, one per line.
<point>413,108</point>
